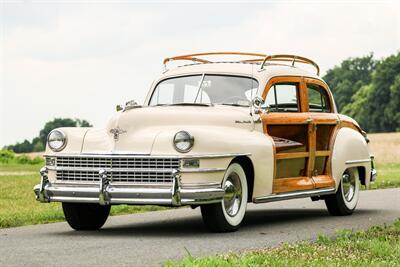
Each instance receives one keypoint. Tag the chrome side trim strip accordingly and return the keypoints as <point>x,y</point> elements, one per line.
<point>293,195</point>
<point>196,156</point>
<point>358,161</point>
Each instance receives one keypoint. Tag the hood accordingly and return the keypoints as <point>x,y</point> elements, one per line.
<point>134,131</point>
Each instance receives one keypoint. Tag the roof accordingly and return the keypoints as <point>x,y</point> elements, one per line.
<point>260,66</point>
<point>239,68</point>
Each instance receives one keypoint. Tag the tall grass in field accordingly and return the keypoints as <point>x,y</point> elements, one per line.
<point>386,149</point>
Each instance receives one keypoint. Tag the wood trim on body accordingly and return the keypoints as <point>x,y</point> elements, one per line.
<point>283,185</point>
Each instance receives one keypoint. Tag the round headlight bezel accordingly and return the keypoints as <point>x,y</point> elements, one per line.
<point>189,138</point>
<point>63,138</point>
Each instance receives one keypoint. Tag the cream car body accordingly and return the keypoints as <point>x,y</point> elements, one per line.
<point>223,134</point>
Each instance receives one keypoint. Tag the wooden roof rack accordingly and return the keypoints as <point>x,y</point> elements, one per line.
<point>195,57</point>
<point>259,58</point>
<point>289,58</point>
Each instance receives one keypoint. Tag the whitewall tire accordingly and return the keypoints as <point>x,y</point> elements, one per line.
<point>345,200</point>
<point>227,215</point>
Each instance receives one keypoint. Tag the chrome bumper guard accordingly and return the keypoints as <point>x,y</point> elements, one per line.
<point>374,173</point>
<point>106,193</point>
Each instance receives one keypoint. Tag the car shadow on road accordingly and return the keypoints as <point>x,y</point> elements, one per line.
<point>258,219</point>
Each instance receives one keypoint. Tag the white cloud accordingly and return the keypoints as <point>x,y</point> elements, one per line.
<point>87,58</point>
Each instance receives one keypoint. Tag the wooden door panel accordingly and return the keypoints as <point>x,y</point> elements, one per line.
<point>302,141</point>
<point>284,185</point>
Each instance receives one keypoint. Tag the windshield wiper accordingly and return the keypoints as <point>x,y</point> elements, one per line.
<point>234,105</point>
<point>191,104</point>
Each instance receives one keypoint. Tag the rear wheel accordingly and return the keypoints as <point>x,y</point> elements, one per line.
<point>345,200</point>
<point>227,215</point>
<point>85,216</point>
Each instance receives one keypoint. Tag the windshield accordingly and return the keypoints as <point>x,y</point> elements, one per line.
<point>205,89</point>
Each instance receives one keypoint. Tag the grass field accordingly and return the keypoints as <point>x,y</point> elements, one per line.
<point>18,206</point>
<point>386,148</point>
<point>378,246</point>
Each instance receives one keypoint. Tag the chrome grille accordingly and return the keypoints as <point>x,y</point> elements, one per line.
<point>112,162</point>
<point>119,169</point>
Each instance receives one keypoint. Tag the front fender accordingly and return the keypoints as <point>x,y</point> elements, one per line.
<point>226,140</point>
<point>75,137</point>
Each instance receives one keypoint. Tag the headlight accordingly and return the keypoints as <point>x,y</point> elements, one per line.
<point>183,141</point>
<point>56,140</point>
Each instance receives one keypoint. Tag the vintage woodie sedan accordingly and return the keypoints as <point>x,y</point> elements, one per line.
<point>214,135</point>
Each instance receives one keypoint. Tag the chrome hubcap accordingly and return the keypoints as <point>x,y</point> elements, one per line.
<point>349,186</point>
<point>233,194</point>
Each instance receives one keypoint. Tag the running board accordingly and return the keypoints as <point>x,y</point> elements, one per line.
<point>293,195</point>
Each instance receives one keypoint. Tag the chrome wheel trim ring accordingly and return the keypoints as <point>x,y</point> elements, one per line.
<point>348,186</point>
<point>233,194</point>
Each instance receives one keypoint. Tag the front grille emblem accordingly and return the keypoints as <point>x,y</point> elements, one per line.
<point>116,132</point>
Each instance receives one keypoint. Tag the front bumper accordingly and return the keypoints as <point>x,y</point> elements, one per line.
<point>107,193</point>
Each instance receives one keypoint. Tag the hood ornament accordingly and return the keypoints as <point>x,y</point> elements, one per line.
<point>116,132</point>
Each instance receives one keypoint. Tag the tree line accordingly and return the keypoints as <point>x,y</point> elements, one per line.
<point>38,143</point>
<point>368,90</point>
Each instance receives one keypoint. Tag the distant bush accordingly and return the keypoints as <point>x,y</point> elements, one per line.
<point>38,143</point>
<point>9,157</point>
<point>6,156</point>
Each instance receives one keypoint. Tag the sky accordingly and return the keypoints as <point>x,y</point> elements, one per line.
<point>79,59</point>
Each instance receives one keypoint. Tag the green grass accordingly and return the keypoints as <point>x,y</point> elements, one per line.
<point>18,205</point>
<point>378,246</point>
<point>388,176</point>
<point>14,167</point>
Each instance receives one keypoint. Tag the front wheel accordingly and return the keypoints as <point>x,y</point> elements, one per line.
<point>84,216</point>
<point>227,215</point>
<point>345,200</point>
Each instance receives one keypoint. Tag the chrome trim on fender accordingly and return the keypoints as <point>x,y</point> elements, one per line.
<point>348,162</point>
<point>293,195</point>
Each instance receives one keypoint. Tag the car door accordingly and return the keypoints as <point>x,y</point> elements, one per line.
<point>301,128</point>
<point>289,125</point>
<point>325,121</point>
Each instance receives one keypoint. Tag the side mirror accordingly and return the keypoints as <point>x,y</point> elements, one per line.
<point>257,104</point>
<point>128,105</point>
<point>119,108</point>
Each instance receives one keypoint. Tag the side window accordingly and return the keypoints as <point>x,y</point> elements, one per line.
<point>283,97</point>
<point>318,99</point>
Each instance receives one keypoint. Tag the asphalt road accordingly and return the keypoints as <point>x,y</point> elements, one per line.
<point>154,237</point>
